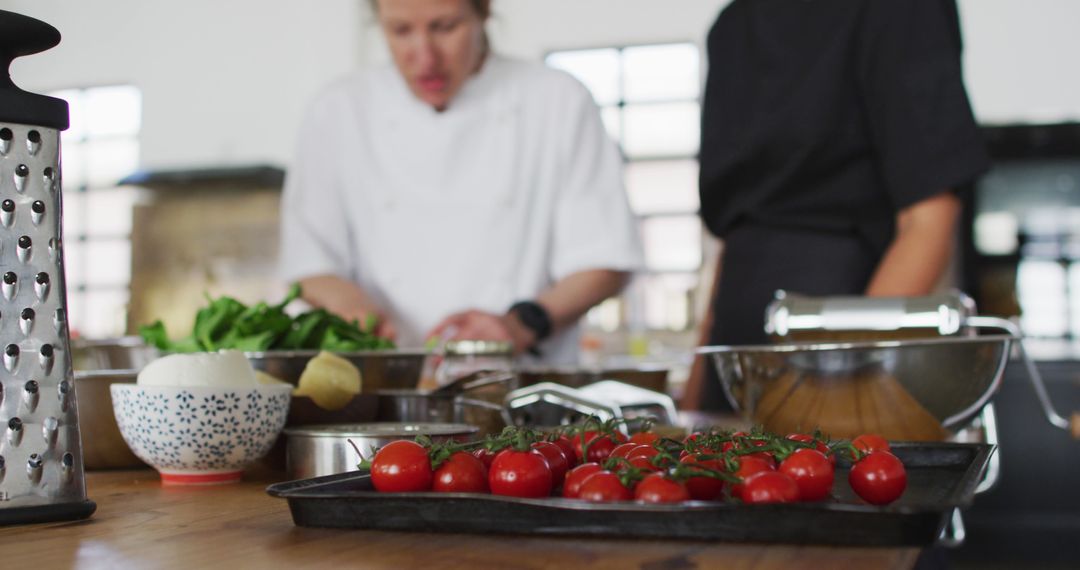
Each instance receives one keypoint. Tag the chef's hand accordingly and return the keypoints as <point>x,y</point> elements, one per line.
<point>481,325</point>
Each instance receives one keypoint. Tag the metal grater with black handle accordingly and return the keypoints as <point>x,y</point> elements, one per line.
<point>41,469</point>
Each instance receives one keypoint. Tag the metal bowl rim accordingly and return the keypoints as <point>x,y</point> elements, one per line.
<point>790,347</point>
<point>382,429</point>
<point>270,354</point>
<point>97,374</point>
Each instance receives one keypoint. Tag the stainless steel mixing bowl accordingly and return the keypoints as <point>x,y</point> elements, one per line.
<point>902,389</point>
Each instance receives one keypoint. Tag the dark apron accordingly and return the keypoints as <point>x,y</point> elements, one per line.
<point>757,260</point>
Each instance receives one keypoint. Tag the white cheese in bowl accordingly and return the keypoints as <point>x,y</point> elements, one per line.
<point>225,369</point>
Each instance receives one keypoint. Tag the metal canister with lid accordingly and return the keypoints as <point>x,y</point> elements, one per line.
<point>41,469</point>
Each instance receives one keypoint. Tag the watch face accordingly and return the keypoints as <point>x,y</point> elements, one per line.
<point>535,317</point>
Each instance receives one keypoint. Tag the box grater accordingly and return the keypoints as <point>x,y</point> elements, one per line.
<point>41,470</point>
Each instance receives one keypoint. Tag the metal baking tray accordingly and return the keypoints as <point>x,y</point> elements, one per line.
<point>941,477</point>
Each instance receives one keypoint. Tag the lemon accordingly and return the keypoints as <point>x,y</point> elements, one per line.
<point>330,381</point>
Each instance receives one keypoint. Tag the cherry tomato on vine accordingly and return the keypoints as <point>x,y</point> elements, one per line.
<point>576,476</point>
<point>520,474</point>
<point>769,487</point>
<point>485,456</point>
<point>658,488</point>
<point>812,473</point>
<point>644,438</point>
<point>749,465</point>
<point>599,447</point>
<point>401,466</point>
<point>623,449</point>
<point>567,448</point>
<point>818,444</point>
<point>604,486</point>
<point>879,478</point>
<point>702,487</point>
<point>870,443</point>
<point>462,472</point>
<point>556,460</point>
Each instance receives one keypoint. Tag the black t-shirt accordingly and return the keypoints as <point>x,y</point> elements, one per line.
<point>833,115</point>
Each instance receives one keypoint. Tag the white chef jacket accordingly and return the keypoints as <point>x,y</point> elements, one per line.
<point>511,188</point>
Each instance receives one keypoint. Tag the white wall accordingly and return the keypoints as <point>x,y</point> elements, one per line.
<point>226,81</point>
<point>223,81</point>
<point>1022,59</point>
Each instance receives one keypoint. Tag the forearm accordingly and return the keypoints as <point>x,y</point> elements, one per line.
<point>571,297</point>
<point>567,301</point>
<point>919,254</point>
<point>339,296</point>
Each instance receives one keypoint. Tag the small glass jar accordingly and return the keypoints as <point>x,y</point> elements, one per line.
<point>464,357</point>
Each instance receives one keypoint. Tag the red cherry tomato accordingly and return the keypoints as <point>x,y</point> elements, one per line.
<point>818,444</point>
<point>657,488</point>
<point>870,443</point>
<point>879,478</point>
<point>401,466</point>
<point>623,449</point>
<point>693,437</point>
<point>567,448</point>
<point>485,456</point>
<point>520,474</point>
<point>812,473</point>
<point>604,486</point>
<point>644,438</point>
<point>703,488</point>
<point>556,460</point>
<point>769,487</point>
<point>576,476</point>
<point>599,448</point>
<point>462,472</point>
<point>749,465</point>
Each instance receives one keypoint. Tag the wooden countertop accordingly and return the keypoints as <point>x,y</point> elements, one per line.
<point>141,524</point>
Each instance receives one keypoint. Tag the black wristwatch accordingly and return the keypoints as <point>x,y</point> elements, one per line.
<point>535,318</point>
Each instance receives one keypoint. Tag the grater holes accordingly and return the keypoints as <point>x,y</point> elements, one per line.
<point>49,172</point>
<point>33,137</point>
<point>25,242</point>
<point>31,387</point>
<point>14,424</point>
<point>22,171</point>
<point>42,278</point>
<point>6,135</point>
<point>67,460</point>
<point>10,278</point>
<point>38,207</point>
<point>8,206</point>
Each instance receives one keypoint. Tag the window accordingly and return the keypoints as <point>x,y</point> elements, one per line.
<point>100,147</point>
<point>649,101</point>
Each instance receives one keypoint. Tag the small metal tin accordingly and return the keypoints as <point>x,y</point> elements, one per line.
<point>314,451</point>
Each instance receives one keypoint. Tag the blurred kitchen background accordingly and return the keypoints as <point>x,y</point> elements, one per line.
<point>184,119</point>
<point>184,116</point>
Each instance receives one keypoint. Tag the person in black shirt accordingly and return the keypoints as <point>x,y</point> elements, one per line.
<point>834,136</point>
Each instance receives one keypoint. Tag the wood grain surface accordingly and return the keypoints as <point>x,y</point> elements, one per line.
<point>140,524</point>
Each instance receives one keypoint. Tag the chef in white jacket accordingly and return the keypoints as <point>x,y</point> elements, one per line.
<point>458,193</point>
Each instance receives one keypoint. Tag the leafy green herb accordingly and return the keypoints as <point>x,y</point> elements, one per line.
<point>226,323</point>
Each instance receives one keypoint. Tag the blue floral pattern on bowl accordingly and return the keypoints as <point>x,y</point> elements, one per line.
<point>200,429</point>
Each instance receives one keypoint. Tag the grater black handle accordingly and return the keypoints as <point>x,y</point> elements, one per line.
<point>22,35</point>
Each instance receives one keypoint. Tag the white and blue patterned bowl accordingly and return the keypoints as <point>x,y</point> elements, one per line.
<point>200,435</point>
